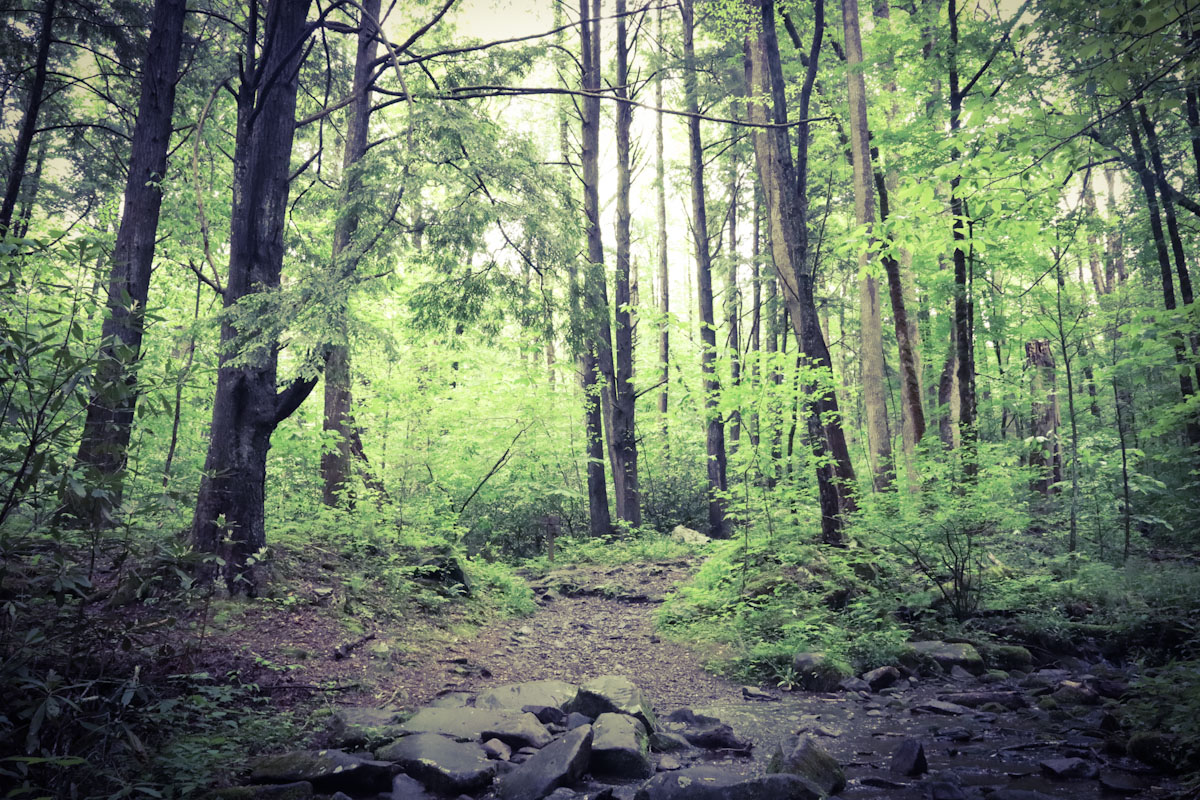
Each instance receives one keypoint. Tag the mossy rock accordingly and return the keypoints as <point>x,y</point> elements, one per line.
<point>1006,656</point>
<point>817,672</point>
<point>300,790</point>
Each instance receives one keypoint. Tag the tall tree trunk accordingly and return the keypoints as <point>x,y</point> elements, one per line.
<point>664,278</point>
<point>785,192</point>
<point>948,395</point>
<point>715,435</point>
<point>596,340</point>
<point>29,194</point>
<point>963,306</point>
<point>339,401</point>
<point>1046,456</point>
<point>229,517</point>
<point>879,438</point>
<point>754,346</point>
<point>29,119</point>
<point>624,443</point>
<point>1093,241</point>
<point>733,301</point>
<point>1114,245</point>
<point>111,405</point>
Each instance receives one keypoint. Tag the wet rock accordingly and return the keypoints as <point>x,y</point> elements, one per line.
<point>878,782</point>
<point>1074,693</point>
<point>706,732</point>
<point>618,695</point>
<point>300,790</point>
<point>947,655</point>
<point>442,764</point>
<point>1018,794</point>
<point>1068,768</point>
<point>940,707</point>
<point>497,749</point>
<point>327,770</point>
<point>801,755</point>
<point>854,685</point>
<point>708,783</point>
<point>367,728</point>
<point>562,762</point>
<point>515,728</point>
<point>684,535</point>
<point>955,734</point>
<point>946,790</point>
<point>1045,677</point>
<point>1110,688</point>
<point>548,693</point>
<point>405,787</point>
<point>620,747</point>
<point>754,693</point>
<point>1006,656</point>
<point>881,678</point>
<point>909,759</point>
<point>1006,700</point>
<point>1122,782</point>
<point>816,672</point>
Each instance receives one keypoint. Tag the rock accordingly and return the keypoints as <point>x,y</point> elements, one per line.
<point>854,685</point>
<point>940,707</point>
<point>1045,677</point>
<point>1018,794</point>
<point>1122,782</point>
<point>405,787</point>
<point>706,732</point>
<point>1007,700</point>
<point>367,728</point>
<point>801,755</point>
<point>669,763</point>
<point>909,759</point>
<point>1068,768</point>
<point>442,764</point>
<point>576,720</point>
<point>1074,693</point>
<point>959,674</point>
<point>708,783</point>
<point>1006,656</point>
<point>547,693</point>
<point>497,749</point>
<point>620,747</point>
<point>754,693</point>
<point>328,771</point>
<point>666,742</point>
<point>547,715</point>
<point>946,790</point>
<point>618,695</point>
<point>444,571</point>
<point>300,790</point>
<point>955,734</point>
<point>816,672</point>
<point>684,535</point>
<point>1154,748</point>
<point>452,700</point>
<point>1110,688</point>
<point>948,655</point>
<point>881,678</point>
<point>515,728</point>
<point>563,761</point>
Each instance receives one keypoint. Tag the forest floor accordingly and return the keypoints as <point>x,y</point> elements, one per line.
<point>595,619</point>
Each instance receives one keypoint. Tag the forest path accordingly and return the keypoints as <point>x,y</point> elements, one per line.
<point>597,620</point>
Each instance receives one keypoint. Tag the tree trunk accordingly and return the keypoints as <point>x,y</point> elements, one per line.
<point>1114,245</point>
<point>1046,456</point>
<point>733,301</point>
<point>785,192</point>
<point>879,438</point>
<point>37,91</point>
<point>247,408</point>
<point>339,401</point>
<point>754,346</point>
<point>597,336</point>
<point>715,435</point>
<point>624,443</point>
<point>29,194</point>
<point>664,278</point>
<point>948,395</point>
<point>111,406</point>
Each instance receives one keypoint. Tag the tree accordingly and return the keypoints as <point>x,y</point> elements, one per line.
<point>29,118</point>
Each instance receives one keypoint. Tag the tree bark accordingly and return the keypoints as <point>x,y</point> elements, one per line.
<point>29,119</point>
<point>785,192</point>
<point>1046,456</point>
<point>664,278</point>
<point>229,517</point>
<point>113,400</point>
<point>715,428</point>
<point>733,301</point>
<point>339,400</point>
<point>879,438</point>
<point>597,337</point>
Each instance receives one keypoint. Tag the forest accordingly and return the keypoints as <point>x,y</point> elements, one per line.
<point>780,355</point>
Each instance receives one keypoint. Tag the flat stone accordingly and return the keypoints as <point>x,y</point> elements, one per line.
<point>497,749</point>
<point>442,764</point>
<point>556,694</point>
<point>669,742</point>
<point>881,678</point>
<point>618,695</point>
<point>562,762</point>
<point>328,771</point>
<point>1018,794</point>
<point>1009,700</point>
<point>940,707</point>
<point>1068,768</point>
<point>706,732</point>
<point>950,654</point>
<point>801,755</point>
<point>405,787</point>
<point>515,728</point>
<point>452,700</point>
<point>355,727</point>
<point>909,759</point>
<point>754,693</point>
<point>1122,782</point>
<point>709,783</point>
<point>620,747</point>
<point>300,790</point>
<point>854,685</point>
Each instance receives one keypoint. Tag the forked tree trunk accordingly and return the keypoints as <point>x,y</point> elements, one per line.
<point>339,400</point>
<point>113,400</point>
<point>229,517</point>
<point>714,427</point>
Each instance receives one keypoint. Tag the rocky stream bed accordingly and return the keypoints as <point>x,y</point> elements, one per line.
<point>585,700</point>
